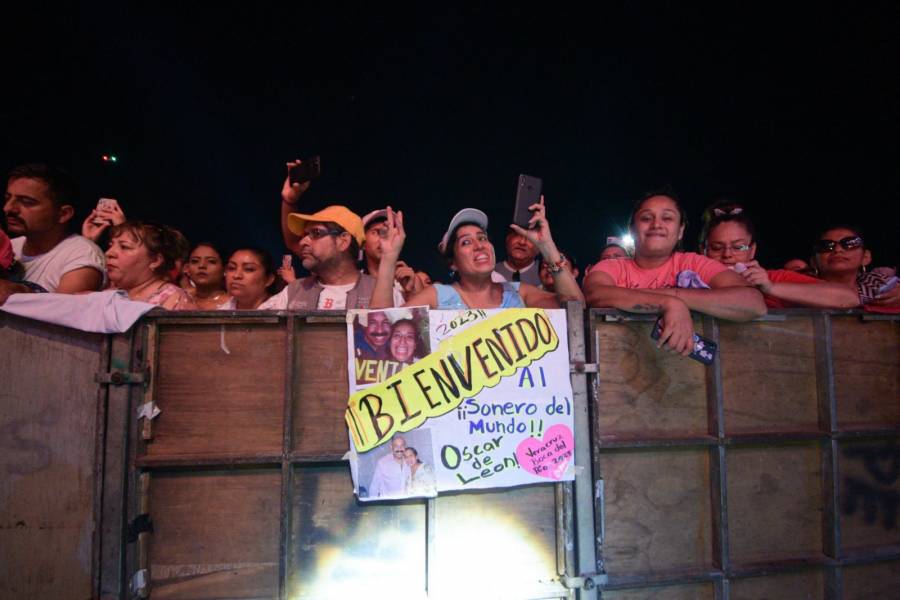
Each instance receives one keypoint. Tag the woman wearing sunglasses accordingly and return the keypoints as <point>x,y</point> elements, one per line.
<point>840,256</point>
<point>728,236</point>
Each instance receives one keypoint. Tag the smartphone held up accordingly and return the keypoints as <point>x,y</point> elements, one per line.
<point>307,170</point>
<point>528,192</point>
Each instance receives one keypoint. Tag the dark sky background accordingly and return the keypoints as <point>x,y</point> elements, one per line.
<point>792,110</point>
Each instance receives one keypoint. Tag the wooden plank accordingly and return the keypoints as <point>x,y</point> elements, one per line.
<point>869,476</point>
<point>775,502</point>
<point>646,391</point>
<point>216,534</point>
<point>697,591</point>
<point>807,585</point>
<point>870,582</point>
<point>216,403</point>
<point>320,390</point>
<point>866,372</point>
<point>341,548</point>
<point>511,532</point>
<point>769,376</point>
<point>658,512</point>
<point>48,428</point>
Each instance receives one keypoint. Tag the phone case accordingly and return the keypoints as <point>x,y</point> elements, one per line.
<point>704,348</point>
<point>528,192</point>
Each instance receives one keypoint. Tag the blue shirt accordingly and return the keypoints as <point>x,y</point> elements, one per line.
<point>449,298</point>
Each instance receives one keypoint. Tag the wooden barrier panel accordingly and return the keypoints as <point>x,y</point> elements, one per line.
<point>769,376</point>
<point>48,438</point>
<point>697,591</point>
<point>868,582</point>
<point>221,392</point>
<point>805,585</point>
<point>320,391</point>
<point>341,548</point>
<point>657,510</point>
<point>869,481</point>
<point>286,524</point>
<point>644,392</point>
<point>785,482</point>
<point>866,372</point>
<point>215,534</point>
<point>775,502</point>
<point>771,474</point>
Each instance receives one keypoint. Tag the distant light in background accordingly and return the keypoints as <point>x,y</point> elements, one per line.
<point>628,241</point>
<point>110,158</point>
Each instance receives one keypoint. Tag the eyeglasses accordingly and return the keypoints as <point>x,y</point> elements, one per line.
<point>847,243</point>
<point>715,247</point>
<point>316,233</point>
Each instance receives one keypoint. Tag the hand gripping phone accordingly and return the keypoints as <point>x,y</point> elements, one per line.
<point>307,170</point>
<point>528,192</point>
<point>704,349</point>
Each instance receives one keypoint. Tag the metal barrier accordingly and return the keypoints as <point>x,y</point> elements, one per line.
<point>773,473</point>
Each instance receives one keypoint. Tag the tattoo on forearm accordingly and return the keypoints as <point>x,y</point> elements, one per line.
<point>651,308</point>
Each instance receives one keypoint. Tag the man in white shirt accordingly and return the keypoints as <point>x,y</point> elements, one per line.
<point>38,206</point>
<point>391,471</point>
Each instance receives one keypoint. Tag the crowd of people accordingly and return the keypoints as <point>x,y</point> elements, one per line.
<point>354,262</point>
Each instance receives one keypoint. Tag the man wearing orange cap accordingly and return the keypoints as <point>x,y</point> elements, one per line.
<point>327,243</point>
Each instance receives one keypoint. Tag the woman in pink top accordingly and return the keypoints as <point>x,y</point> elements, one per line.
<point>137,260</point>
<point>648,282</point>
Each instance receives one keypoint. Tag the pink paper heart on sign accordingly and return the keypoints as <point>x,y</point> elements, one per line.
<point>550,456</point>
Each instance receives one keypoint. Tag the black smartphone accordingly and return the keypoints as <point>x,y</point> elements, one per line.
<point>307,170</point>
<point>528,192</point>
<point>704,349</point>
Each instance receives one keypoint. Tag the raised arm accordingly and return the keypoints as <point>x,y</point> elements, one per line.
<point>290,195</point>
<point>391,245</point>
<point>563,282</point>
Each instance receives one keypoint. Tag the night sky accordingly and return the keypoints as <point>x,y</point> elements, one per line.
<point>795,114</point>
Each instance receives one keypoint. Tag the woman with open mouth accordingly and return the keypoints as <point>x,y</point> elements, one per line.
<point>470,255</point>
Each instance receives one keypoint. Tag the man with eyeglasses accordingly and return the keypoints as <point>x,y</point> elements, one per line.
<point>391,471</point>
<point>327,243</point>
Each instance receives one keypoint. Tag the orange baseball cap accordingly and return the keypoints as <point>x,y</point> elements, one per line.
<point>341,215</point>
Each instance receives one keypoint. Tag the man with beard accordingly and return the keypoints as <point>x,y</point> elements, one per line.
<point>38,206</point>
<point>327,243</point>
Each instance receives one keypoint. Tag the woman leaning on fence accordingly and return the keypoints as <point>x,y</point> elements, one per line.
<point>659,279</point>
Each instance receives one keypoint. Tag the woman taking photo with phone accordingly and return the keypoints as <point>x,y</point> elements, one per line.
<point>470,256</point>
<point>649,282</point>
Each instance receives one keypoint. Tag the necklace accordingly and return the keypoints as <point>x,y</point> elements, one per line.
<point>139,294</point>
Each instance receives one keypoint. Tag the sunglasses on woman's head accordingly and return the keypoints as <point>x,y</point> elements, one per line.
<point>847,243</point>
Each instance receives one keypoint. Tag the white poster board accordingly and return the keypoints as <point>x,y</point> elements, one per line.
<point>457,400</point>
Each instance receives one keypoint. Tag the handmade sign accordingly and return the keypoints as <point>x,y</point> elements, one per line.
<point>455,400</point>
